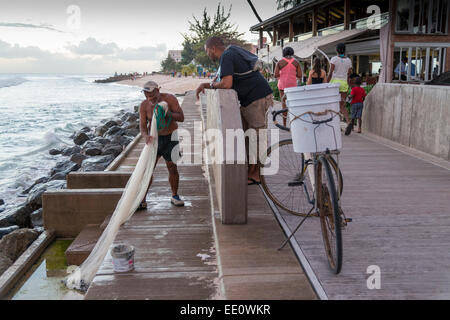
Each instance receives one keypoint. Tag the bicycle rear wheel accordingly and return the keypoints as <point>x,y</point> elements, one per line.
<point>330,219</point>
<point>290,189</point>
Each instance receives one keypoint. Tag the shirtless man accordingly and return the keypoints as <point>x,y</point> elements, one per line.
<point>165,144</point>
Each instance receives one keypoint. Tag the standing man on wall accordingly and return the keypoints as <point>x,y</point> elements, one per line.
<point>254,93</point>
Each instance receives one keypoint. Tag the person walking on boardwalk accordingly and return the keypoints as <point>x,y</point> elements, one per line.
<point>287,71</point>
<point>358,95</point>
<point>168,145</point>
<point>237,72</point>
<point>340,69</point>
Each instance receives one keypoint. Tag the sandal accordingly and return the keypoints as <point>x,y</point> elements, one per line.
<point>142,206</point>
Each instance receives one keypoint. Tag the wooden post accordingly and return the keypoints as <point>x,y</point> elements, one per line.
<point>314,22</point>
<point>346,14</point>
<point>261,40</point>
<point>291,29</point>
<point>275,35</point>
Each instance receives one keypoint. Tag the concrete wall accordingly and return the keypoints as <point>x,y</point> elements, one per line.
<point>416,116</point>
<point>230,178</point>
<point>97,180</point>
<point>69,211</point>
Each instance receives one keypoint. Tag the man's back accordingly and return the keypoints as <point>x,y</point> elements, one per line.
<point>250,86</point>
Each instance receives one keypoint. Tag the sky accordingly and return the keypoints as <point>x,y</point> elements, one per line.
<point>99,36</point>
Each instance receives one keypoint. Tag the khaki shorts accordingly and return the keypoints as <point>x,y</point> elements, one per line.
<point>254,116</point>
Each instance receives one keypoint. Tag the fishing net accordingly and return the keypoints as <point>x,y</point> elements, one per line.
<point>132,196</point>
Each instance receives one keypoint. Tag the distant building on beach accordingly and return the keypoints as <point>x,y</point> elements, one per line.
<point>175,55</point>
<point>377,33</point>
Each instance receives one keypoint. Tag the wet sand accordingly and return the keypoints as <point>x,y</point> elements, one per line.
<point>169,84</point>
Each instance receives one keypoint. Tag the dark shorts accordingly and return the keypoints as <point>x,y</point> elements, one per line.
<point>167,148</point>
<point>357,110</point>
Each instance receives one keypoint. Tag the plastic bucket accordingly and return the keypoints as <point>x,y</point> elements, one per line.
<point>123,258</point>
<point>308,137</point>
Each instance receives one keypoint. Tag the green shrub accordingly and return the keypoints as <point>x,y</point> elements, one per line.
<point>276,93</point>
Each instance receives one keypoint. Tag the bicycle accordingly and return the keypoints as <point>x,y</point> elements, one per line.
<point>318,190</point>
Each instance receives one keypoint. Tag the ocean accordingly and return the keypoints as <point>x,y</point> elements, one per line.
<point>40,112</point>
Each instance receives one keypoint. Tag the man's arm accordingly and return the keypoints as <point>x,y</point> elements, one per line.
<point>143,124</point>
<point>175,110</point>
<point>330,75</point>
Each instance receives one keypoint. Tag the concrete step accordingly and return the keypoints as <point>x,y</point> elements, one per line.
<point>83,244</point>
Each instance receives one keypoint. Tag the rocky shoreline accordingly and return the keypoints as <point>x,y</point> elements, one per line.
<point>94,149</point>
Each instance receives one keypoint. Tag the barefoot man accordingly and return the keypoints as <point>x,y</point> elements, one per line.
<point>167,148</point>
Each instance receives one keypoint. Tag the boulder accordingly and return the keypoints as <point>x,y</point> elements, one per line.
<point>14,244</point>
<point>116,130</point>
<point>38,181</point>
<point>131,125</point>
<point>80,138</point>
<point>102,141</point>
<point>70,151</point>
<point>39,230</point>
<point>64,167</point>
<point>121,140</point>
<point>136,108</point>
<point>55,152</point>
<point>93,152</point>
<point>131,132</point>
<point>78,158</point>
<point>98,163</point>
<point>59,176</point>
<point>34,199</point>
<point>2,202</point>
<point>8,230</point>
<point>5,263</point>
<point>19,215</point>
<point>86,130</point>
<point>100,131</point>
<point>110,124</point>
<point>36,218</point>
<point>115,150</point>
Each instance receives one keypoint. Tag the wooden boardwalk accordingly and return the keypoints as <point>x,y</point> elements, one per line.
<point>400,206</point>
<point>186,253</point>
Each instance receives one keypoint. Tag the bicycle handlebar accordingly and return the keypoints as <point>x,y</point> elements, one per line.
<point>275,114</point>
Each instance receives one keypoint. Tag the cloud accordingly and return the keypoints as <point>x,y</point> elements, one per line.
<point>28,25</point>
<point>143,53</point>
<point>91,46</point>
<point>90,56</point>
<point>15,51</point>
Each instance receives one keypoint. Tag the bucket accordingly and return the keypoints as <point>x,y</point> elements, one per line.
<point>306,136</point>
<point>123,258</point>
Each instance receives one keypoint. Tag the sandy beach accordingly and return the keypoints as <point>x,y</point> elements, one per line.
<point>168,84</point>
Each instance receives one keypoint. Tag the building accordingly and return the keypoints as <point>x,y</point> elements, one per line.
<point>175,55</point>
<point>378,33</point>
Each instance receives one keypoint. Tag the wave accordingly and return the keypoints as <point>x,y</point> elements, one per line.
<point>11,82</point>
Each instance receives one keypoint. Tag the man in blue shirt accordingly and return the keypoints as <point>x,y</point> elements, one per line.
<point>254,93</point>
<point>402,69</point>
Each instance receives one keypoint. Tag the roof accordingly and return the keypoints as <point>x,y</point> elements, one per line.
<point>307,4</point>
<point>306,48</point>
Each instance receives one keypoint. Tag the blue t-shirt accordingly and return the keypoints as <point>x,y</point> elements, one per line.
<point>249,87</point>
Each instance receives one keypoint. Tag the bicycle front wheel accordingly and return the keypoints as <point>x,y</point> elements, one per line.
<point>330,219</point>
<point>290,188</point>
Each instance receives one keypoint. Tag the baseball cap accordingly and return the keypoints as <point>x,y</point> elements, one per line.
<point>150,86</point>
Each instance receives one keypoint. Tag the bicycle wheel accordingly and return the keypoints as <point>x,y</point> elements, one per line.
<point>330,219</point>
<point>290,189</point>
<point>337,174</point>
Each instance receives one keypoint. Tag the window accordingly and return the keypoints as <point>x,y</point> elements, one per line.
<point>422,16</point>
<point>418,63</point>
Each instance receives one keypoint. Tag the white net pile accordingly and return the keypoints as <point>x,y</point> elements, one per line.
<point>132,196</point>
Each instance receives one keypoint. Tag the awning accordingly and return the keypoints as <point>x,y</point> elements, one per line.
<point>306,48</point>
